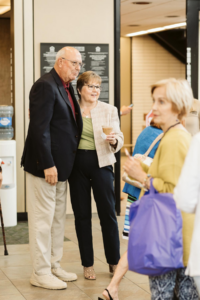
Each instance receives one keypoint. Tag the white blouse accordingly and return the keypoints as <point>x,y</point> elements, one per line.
<point>187,197</point>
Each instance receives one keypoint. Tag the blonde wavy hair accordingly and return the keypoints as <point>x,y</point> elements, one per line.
<point>179,92</point>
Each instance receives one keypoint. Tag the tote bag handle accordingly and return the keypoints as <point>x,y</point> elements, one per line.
<point>159,137</point>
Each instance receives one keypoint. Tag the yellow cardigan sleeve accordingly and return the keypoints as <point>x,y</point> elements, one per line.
<point>168,162</point>
<point>167,183</point>
<point>161,184</point>
<point>144,167</point>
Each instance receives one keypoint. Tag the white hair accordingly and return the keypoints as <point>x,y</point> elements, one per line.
<point>179,92</point>
<point>60,53</point>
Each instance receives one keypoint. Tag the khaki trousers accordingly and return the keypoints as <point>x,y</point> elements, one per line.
<point>46,219</point>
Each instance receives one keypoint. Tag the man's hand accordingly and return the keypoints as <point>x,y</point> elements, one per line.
<point>51,175</point>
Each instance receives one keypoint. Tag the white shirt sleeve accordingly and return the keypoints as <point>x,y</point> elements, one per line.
<point>187,191</point>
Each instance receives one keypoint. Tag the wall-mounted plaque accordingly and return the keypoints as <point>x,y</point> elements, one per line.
<point>94,56</point>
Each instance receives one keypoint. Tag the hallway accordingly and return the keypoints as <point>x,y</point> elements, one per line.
<point>15,271</point>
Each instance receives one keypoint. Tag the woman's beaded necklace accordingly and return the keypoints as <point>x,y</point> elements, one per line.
<point>172,126</point>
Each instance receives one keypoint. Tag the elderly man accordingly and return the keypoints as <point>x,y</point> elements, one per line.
<point>53,137</point>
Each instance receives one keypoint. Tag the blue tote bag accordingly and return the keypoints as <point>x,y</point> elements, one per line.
<point>155,244</point>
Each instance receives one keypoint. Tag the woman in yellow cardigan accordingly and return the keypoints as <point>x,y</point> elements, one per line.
<point>172,100</point>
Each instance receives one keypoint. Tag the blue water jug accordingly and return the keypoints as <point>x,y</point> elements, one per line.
<point>6,129</point>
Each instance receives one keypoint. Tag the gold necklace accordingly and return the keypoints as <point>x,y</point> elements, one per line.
<point>87,115</point>
<point>83,113</point>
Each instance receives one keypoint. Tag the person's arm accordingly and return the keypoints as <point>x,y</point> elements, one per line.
<point>125,110</point>
<point>168,167</point>
<point>116,140</point>
<point>1,177</point>
<point>186,193</point>
<point>137,170</point>
<point>41,111</point>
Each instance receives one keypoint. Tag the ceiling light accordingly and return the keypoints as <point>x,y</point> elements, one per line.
<point>157,29</point>
<point>138,33</point>
<point>4,9</point>
<point>175,25</point>
<point>141,2</point>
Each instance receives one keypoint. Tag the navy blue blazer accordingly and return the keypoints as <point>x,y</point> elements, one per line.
<point>53,134</point>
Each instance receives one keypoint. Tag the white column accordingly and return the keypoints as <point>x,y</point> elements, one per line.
<point>19,98</point>
<point>28,62</point>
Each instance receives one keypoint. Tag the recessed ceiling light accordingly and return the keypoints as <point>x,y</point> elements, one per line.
<point>141,2</point>
<point>172,16</point>
<point>134,25</point>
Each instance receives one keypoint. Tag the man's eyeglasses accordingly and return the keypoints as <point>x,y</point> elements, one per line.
<point>75,63</point>
<point>91,87</point>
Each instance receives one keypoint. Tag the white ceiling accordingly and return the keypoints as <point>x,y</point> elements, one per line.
<point>146,16</point>
<point>152,15</point>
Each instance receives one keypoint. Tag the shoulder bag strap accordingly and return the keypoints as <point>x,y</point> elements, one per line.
<point>159,137</point>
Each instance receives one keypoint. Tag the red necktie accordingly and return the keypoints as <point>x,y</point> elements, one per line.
<point>70,99</point>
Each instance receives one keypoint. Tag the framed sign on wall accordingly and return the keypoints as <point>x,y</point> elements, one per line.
<point>94,56</point>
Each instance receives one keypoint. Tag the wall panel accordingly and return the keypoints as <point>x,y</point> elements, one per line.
<point>125,67</point>
<point>5,98</point>
<point>150,63</point>
<point>77,21</point>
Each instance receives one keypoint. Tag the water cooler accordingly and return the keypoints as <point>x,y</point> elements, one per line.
<point>8,193</point>
<point>8,190</point>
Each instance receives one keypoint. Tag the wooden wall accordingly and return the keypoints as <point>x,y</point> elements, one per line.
<point>5,98</point>
<point>150,63</point>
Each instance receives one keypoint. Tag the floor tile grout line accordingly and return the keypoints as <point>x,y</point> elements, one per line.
<point>82,290</point>
<point>126,278</point>
<point>13,284</point>
<point>143,289</point>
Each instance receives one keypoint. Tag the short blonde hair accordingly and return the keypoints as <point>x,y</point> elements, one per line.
<point>179,92</point>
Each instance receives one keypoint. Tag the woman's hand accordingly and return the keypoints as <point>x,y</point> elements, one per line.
<point>111,138</point>
<point>133,168</point>
<point>125,110</point>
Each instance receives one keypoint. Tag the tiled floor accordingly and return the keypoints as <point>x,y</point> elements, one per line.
<point>15,271</point>
<point>17,234</point>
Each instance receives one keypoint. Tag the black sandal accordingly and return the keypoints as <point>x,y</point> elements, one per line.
<point>111,298</point>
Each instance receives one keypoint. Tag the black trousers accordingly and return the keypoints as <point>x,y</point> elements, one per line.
<point>85,175</point>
